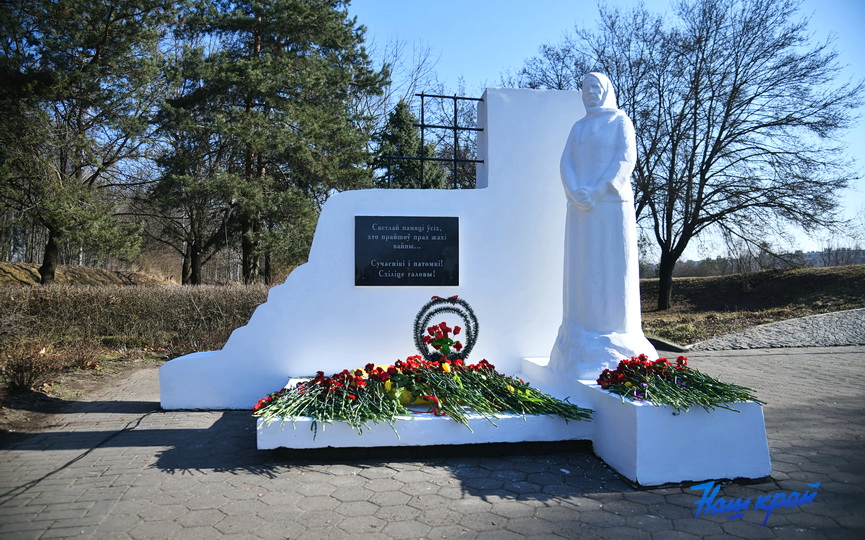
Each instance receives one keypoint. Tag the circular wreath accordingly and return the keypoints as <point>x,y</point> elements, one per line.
<point>436,307</point>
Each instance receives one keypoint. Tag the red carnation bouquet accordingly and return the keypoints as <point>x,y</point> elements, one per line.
<point>383,393</point>
<point>437,381</point>
<point>661,382</point>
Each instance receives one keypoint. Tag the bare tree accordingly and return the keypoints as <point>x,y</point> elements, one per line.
<point>736,113</point>
<point>833,255</point>
<point>411,68</point>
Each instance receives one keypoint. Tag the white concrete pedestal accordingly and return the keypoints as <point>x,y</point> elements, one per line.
<point>422,430</point>
<point>646,444</point>
<point>316,319</point>
<point>653,445</point>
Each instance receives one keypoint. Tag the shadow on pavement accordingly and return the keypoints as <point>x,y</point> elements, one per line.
<point>506,470</point>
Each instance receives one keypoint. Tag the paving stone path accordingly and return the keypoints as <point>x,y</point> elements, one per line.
<point>118,467</point>
<point>826,330</point>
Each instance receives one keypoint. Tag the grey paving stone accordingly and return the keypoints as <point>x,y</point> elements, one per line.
<point>131,471</point>
<point>825,330</point>
<point>155,530</point>
<point>364,526</point>
<point>529,526</point>
<point>449,531</point>
<point>396,513</point>
<point>350,494</point>
<point>440,517</point>
<point>356,509</point>
<point>406,529</point>
<point>237,524</point>
<point>200,518</point>
<point>428,502</point>
<point>513,509</point>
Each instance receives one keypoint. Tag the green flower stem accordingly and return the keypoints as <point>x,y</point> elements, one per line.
<point>678,386</point>
<point>455,390</point>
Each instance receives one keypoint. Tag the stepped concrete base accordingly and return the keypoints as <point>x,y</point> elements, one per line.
<point>652,445</point>
<point>422,430</point>
<point>646,444</point>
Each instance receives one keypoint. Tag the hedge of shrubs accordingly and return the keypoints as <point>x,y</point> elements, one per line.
<point>70,324</point>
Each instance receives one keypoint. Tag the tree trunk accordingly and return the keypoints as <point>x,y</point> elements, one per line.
<point>184,270</point>
<point>249,262</point>
<point>665,281</point>
<point>195,264</point>
<point>268,270</point>
<point>49,259</point>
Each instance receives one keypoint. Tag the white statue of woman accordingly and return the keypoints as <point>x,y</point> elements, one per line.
<point>601,323</point>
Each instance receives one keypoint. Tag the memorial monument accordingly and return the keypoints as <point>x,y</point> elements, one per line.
<point>378,254</point>
<point>601,316</point>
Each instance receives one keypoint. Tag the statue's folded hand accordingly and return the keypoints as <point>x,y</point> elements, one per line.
<point>583,198</point>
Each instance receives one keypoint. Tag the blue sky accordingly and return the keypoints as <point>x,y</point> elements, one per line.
<point>479,40</point>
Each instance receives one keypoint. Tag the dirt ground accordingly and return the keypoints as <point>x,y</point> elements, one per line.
<point>34,410</point>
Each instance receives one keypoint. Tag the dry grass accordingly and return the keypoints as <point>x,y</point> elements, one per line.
<point>185,319</point>
<point>62,341</point>
<point>708,307</point>
<point>30,367</point>
<point>178,320</point>
<point>28,274</point>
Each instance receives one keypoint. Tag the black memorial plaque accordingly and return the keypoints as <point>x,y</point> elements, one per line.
<point>406,251</point>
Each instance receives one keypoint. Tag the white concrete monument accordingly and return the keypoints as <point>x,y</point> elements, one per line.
<point>601,318</point>
<point>500,247</point>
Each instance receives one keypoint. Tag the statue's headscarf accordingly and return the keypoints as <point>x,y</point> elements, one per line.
<point>609,97</point>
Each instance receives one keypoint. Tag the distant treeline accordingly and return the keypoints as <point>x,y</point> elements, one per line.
<point>764,259</point>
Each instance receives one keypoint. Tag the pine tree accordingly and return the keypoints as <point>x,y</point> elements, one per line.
<point>276,90</point>
<point>79,83</point>
<point>399,141</point>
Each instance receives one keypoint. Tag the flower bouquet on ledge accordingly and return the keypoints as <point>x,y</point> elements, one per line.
<point>437,381</point>
<point>661,383</point>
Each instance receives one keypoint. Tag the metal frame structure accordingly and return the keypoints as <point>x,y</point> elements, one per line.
<point>455,128</point>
